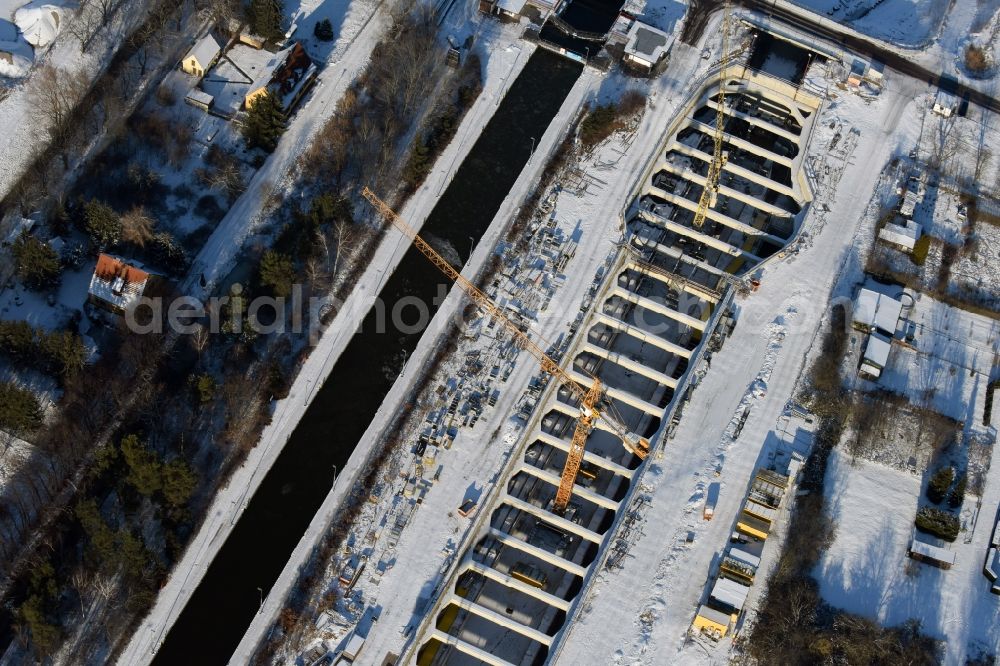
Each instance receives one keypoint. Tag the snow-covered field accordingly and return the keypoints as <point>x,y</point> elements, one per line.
<point>866,570</point>
<point>904,22</point>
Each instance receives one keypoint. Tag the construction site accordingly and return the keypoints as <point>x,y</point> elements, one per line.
<point>725,192</point>
<point>575,456</point>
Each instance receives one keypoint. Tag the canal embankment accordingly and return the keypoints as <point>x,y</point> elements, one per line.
<point>361,370</point>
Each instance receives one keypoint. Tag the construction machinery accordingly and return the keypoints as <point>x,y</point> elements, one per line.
<point>710,193</point>
<point>593,407</point>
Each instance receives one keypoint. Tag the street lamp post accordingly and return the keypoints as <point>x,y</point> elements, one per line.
<point>260,609</point>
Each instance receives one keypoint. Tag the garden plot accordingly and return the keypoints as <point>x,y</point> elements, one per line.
<point>893,432</point>
<point>942,359</point>
<point>957,257</point>
<point>184,169</point>
<point>866,569</point>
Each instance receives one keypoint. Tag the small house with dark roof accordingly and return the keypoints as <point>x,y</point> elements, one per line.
<point>646,46</point>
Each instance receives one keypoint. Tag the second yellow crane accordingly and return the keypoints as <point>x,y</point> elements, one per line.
<point>591,399</point>
<point>710,192</point>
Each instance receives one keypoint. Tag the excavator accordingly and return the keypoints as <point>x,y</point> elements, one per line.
<point>593,406</point>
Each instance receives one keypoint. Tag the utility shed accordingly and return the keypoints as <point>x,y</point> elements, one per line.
<point>945,104</point>
<point>737,570</point>
<point>199,98</point>
<point>744,556</point>
<point>353,647</point>
<point>646,46</point>
<point>931,554</point>
<point>912,196</point>
<point>712,621</point>
<point>903,236</point>
<point>876,312</point>
<point>730,593</point>
<point>754,527</point>
<point>876,355</point>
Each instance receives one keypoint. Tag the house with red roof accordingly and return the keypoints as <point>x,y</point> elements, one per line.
<point>116,285</point>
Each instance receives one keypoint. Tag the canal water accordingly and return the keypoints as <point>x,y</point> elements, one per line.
<point>222,607</point>
<point>593,16</point>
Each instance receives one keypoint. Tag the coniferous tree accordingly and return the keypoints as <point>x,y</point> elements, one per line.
<point>19,409</point>
<point>37,263</point>
<point>265,123</point>
<point>267,18</point>
<point>324,31</point>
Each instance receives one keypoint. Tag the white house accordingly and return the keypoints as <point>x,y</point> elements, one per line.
<point>903,236</point>
<point>201,56</point>
<point>876,312</point>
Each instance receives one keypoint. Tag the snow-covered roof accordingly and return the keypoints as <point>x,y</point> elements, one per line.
<point>760,510</point>
<point>730,593</point>
<point>200,97</point>
<point>718,617</point>
<point>905,235</point>
<point>878,311</point>
<point>744,556</point>
<point>877,350</point>
<point>933,552</point>
<point>646,42</point>
<point>285,75</point>
<point>39,22</point>
<point>205,50</point>
<point>511,6</point>
<point>116,282</point>
<point>354,646</point>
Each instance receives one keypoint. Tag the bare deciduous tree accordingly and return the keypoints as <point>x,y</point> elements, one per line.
<point>137,226</point>
<point>55,92</point>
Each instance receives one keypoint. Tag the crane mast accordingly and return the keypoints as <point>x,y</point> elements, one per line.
<point>590,399</point>
<point>710,193</point>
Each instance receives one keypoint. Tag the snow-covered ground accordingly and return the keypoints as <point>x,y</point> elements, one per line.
<point>866,570</point>
<point>758,367</point>
<point>948,362</point>
<point>23,129</point>
<point>904,22</point>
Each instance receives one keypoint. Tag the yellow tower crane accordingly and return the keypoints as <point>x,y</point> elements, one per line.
<point>710,193</point>
<point>591,399</point>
